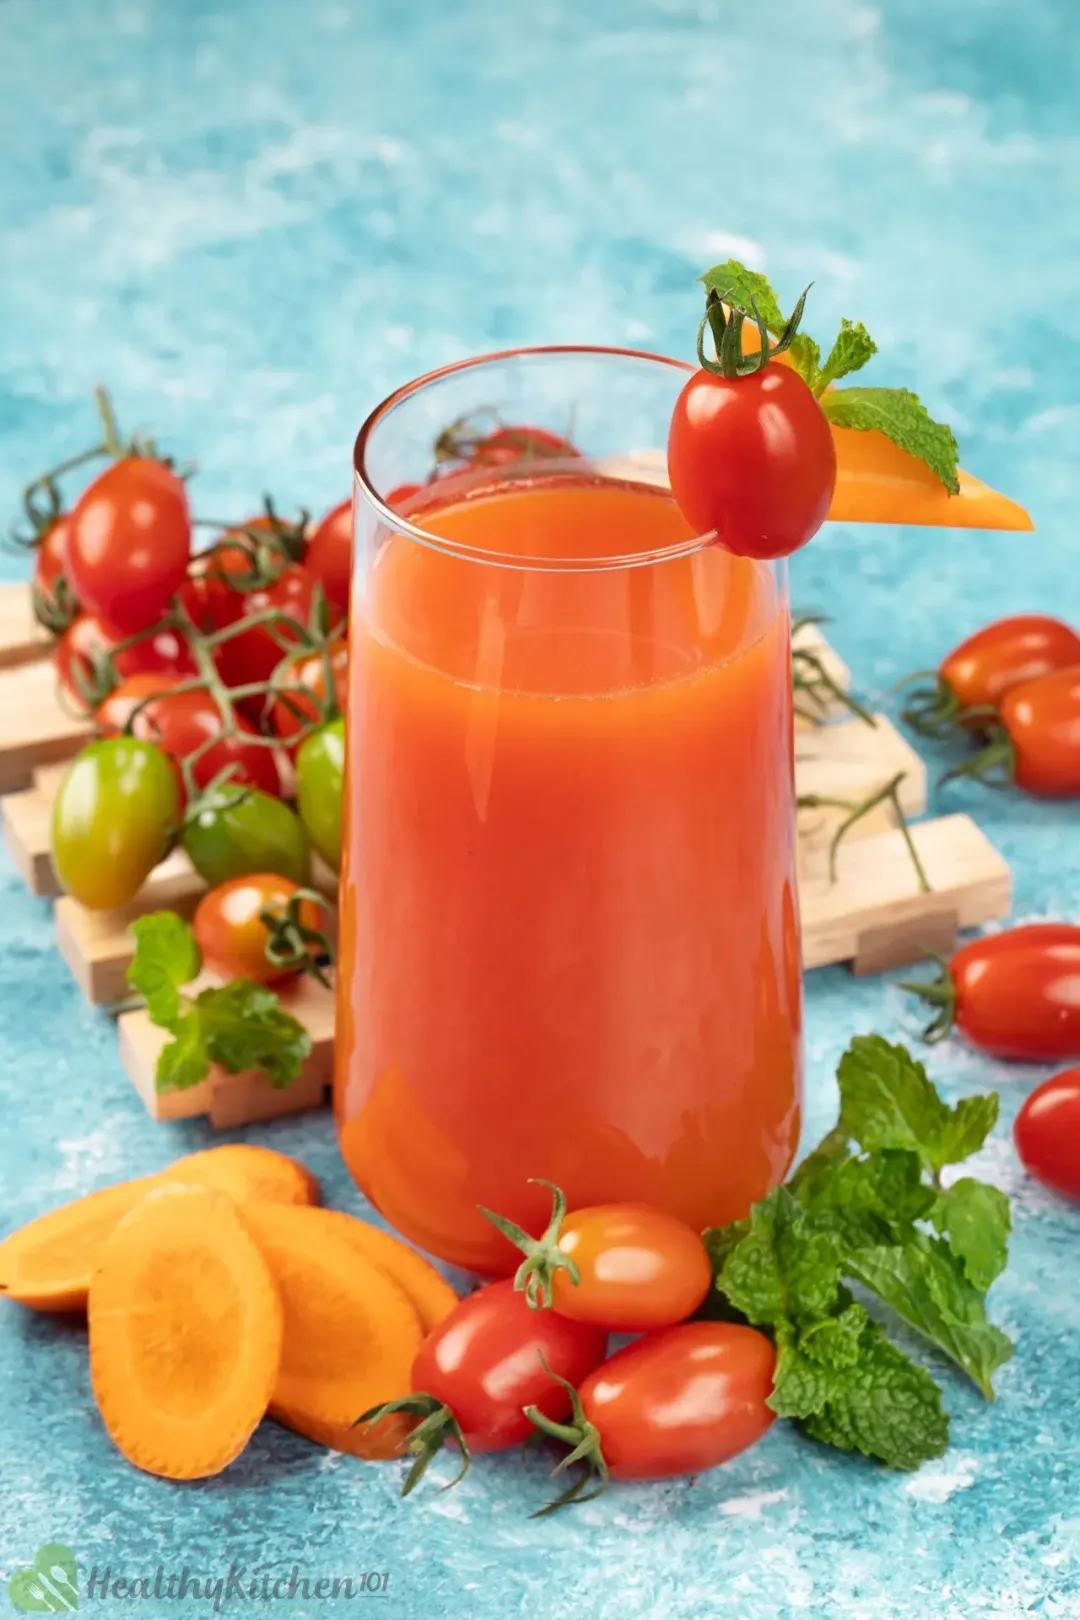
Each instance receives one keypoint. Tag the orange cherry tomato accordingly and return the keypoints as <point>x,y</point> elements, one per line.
<point>677,1402</point>
<point>302,679</point>
<point>1041,720</point>
<point>231,935</point>
<point>623,1267</point>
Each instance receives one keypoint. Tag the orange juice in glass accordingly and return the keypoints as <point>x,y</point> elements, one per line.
<point>569,925</point>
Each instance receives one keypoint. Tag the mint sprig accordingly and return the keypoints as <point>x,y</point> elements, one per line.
<point>896,412</point>
<point>239,1025</point>
<point>868,1208</point>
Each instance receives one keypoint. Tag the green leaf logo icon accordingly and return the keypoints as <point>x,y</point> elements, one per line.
<point>50,1586</point>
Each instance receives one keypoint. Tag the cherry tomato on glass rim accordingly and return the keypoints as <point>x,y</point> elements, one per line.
<point>329,555</point>
<point>1013,995</point>
<point>983,668</point>
<point>1047,1134</point>
<point>482,1365</point>
<point>181,722</point>
<point>1035,741</point>
<point>672,1403</point>
<point>129,542</point>
<point>87,649</point>
<point>750,453</point>
<point>232,936</point>
<point>113,820</point>
<point>625,1267</point>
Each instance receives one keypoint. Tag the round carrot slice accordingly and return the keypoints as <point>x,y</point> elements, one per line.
<point>244,1170</point>
<point>350,1334</point>
<point>46,1265</point>
<point>429,1291</point>
<point>185,1333</point>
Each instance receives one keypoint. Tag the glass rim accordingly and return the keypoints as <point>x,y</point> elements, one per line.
<point>502,559</point>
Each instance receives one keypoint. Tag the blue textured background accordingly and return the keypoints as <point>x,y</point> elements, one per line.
<point>252,219</point>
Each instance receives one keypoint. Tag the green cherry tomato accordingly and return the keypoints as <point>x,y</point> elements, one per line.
<point>320,777</point>
<point>234,831</point>
<point>114,818</point>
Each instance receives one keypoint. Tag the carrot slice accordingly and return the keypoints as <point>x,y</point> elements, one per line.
<point>877,482</point>
<point>430,1293</point>
<point>245,1170</point>
<point>46,1265</point>
<point>351,1333</point>
<point>185,1333</point>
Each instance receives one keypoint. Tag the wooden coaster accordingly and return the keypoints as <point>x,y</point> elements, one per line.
<point>35,729</point>
<point>22,639</point>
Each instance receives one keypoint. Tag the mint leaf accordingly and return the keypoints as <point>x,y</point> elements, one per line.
<point>166,957</point>
<point>833,1149</point>
<point>853,348</point>
<point>245,1027</point>
<point>885,1406</point>
<point>925,1285</point>
<point>968,1126</point>
<point>887,1101</point>
<point>809,1366</point>
<point>736,285</point>
<point>904,419</point>
<point>872,1200</point>
<point>976,1221</point>
<point>783,1269</point>
<point>184,1061</point>
<point>806,358</point>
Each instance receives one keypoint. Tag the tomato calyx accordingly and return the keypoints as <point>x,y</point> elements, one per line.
<point>55,609</point>
<point>291,944</point>
<point>725,320</point>
<point>939,993</point>
<point>995,764</point>
<point>437,1425</point>
<point>543,1257</point>
<point>932,710</point>
<point>583,1437</point>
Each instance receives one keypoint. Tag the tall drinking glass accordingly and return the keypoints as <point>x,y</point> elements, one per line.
<point>569,926</point>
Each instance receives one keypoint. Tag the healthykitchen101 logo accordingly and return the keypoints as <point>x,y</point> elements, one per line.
<point>50,1585</point>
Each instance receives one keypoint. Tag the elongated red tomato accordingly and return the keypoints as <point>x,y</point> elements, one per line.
<point>985,666</point>
<point>680,1401</point>
<point>752,458</point>
<point>329,555</point>
<point>87,648</point>
<point>231,934</point>
<point>181,722</point>
<point>254,654</point>
<point>1047,1133</point>
<point>625,1267</point>
<point>1041,720</point>
<point>1014,995</point>
<point>129,542</point>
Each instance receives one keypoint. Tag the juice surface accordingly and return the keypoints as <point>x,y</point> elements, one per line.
<point>569,931</point>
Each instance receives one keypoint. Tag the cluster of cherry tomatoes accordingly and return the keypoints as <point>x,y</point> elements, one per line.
<point>1013,689</point>
<point>531,1354</point>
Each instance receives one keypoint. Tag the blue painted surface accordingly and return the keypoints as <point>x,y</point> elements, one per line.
<point>252,222</point>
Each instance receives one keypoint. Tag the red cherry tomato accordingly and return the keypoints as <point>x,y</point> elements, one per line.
<point>180,722</point>
<point>483,1361</point>
<point>329,555</point>
<point>83,646</point>
<point>1041,721</point>
<point>1014,995</point>
<point>1047,1134</point>
<point>403,494</point>
<point>53,598</point>
<point>129,542</point>
<point>753,459</point>
<point>681,1401</point>
<point>231,935</point>
<point>254,654</point>
<point>625,1267</point>
<point>467,440</point>
<point>303,681</point>
<point>982,669</point>
<point>207,595</point>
